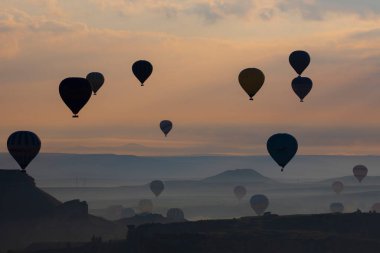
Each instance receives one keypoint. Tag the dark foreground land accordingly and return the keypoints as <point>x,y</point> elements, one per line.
<point>356,232</point>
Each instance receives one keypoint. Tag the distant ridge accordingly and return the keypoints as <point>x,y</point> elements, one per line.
<point>238,176</point>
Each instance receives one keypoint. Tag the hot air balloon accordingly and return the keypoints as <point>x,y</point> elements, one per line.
<point>336,207</point>
<point>376,207</point>
<point>259,203</point>
<point>145,206</point>
<point>175,214</point>
<point>360,172</point>
<point>157,186</point>
<point>240,192</point>
<point>337,187</point>
<point>251,80</point>
<point>23,146</point>
<point>282,148</point>
<point>142,70</point>
<point>96,80</point>
<point>299,60</point>
<point>75,92</point>
<point>302,86</point>
<point>166,126</point>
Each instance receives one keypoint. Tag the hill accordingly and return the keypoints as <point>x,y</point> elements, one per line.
<point>28,214</point>
<point>238,176</point>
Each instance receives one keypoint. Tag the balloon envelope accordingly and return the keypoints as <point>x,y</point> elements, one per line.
<point>240,192</point>
<point>142,70</point>
<point>175,214</point>
<point>282,148</point>
<point>251,80</point>
<point>360,172</point>
<point>336,207</point>
<point>96,80</point>
<point>75,93</point>
<point>145,206</point>
<point>166,126</point>
<point>299,60</point>
<point>302,86</point>
<point>23,146</point>
<point>259,203</point>
<point>337,187</point>
<point>157,186</point>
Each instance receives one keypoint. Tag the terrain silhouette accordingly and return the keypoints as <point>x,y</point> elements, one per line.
<point>28,215</point>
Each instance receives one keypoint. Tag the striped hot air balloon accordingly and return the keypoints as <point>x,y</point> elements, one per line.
<point>23,146</point>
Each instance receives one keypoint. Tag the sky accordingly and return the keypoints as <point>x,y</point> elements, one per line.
<point>197,48</point>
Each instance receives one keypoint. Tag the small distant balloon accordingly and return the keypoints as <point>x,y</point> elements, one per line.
<point>142,70</point>
<point>96,80</point>
<point>376,207</point>
<point>75,93</point>
<point>145,206</point>
<point>360,172</point>
<point>282,148</point>
<point>336,207</point>
<point>251,80</point>
<point>299,60</point>
<point>302,86</point>
<point>259,203</point>
<point>337,187</point>
<point>175,214</point>
<point>157,187</point>
<point>240,192</point>
<point>166,126</point>
<point>23,146</point>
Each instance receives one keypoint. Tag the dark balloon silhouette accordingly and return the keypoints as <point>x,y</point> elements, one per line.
<point>360,172</point>
<point>23,146</point>
<point>166,126</point>
<point>96,80</point>
<point>240,192</point>
<point>299,60</point>
<point>282,148</point>
<point>75,92</point>
<point>337,187</point>
<point>251,80</point>
<point>142,70</point>
<point>157,187</point>
<point>302,86</point>
<point>259,203</point>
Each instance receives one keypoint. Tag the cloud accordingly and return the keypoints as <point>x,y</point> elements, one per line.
<point>319,9</point>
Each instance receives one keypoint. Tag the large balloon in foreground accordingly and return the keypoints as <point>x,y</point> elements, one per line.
<point>75,92</point>
<point>23,146</point>
<point>360,172</point>
<point>96,80</point>
<point>145,206</point>
<point>240,192</point>
<point>157,187</point>
<point>251,80</point>
<point>337,187</point>
<point>166,126</point>
<point>259,203</point>
<point>175,214</point>
<point>336,207</point>
<point>302,86</point>
<point>282,148</point>
<point>299,60</point>
<point>142,70</point>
